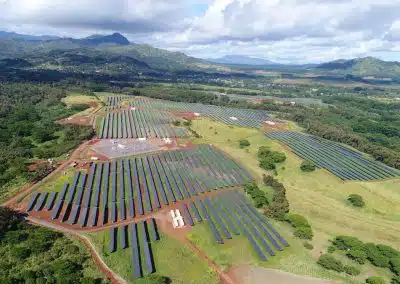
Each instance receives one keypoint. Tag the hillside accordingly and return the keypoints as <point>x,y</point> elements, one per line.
<point>110,47</point>
<point>368,66</point>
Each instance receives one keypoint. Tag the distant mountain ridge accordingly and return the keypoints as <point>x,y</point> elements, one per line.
<point>96,49</point>
<point>367,66</point>
<point>242,60</point>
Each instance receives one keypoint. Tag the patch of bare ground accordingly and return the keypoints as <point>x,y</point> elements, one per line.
<point>244,274</point>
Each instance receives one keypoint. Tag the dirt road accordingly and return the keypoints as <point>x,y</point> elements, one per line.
<point>114,278</point>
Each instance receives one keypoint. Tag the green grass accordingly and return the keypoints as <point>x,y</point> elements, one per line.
<point>171,258</point>
<point>319,196</point>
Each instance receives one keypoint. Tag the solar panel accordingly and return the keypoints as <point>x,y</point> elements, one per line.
<point>33,201</point>
<point>113,239</point>
<point>188,218</point>
<point>146,249</point>
<point>51,200</point>
<point>124,236</point>
<point>137,266</point>
<point>41,201</point>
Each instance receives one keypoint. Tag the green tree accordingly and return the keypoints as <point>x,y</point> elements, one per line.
<point>375,280</point>
<point>356,200</point>
<point>244,143</point>
<point>307,166</point>
<point>329,262</point>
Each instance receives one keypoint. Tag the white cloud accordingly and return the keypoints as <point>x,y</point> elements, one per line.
<point>285,30</point>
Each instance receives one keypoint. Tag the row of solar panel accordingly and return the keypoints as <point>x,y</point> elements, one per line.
<point>231,214</point>
<point>141,237</point>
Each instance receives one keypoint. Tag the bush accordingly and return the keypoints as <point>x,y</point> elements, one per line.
<point>395,265</point>
<point>375,280</point>
<point>358,256</point>
<point>188,122</point>
<point>267,158</point>
<point>279,205</point>
<point>267,164</point>
<point>307,166</point>
<point>351,270</point>
<point>176,123</point>
<point>329,262</point>
<point>21,253</point>
<point>331,249</point>
<point>302,227</point>
<point>308,245</point>
<point>388,251</point>
<point>244,143</point>
<point>356,200</point>
<point>347,242</point>
<point>395,280</point>
<point>259,197</point>
<point>375,256</point>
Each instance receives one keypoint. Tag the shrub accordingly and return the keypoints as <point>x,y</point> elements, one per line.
<point>259,197</point>
<point>356,200</point>
<point>329,262</point>
<point>388,251</point>
<point>188,122</point>
<point>308,245</point>
<point>375,256</point>
<point>267,164</point>
<point>351,270</point>
<point>21,252</point>
<point>176,123</point>
<point>375,280</point>
<point>395,265</point>
<point>331,249</point>
<point>395,280</point>
<point>244,143</point>
<point>302,227</point>
<point>347,242</point>
<point>279,205</point>
<point>307,166</point>
<point>358,256</point>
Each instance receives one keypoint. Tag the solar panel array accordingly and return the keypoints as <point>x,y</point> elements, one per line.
<point>119,190</point>
<point>114,102</point>
<point>232,116</point>
<point>139,237</point>
<point>139,123</point>
<point>230,214</point>
<point>340,160</point>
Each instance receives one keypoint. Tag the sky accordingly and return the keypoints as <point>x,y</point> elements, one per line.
<point>285,31</point>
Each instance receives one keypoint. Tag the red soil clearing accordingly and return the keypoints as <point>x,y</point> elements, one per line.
<point>187,115</point>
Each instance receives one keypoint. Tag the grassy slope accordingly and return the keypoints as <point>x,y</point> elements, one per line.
<point>171,258</point>
<point>320,196</point>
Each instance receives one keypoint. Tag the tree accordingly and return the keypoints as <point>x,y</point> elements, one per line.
<point>357,255</point>
<point>329,262</point>
<point>351,270</point>
<point>307,166</point>
<point>395,265</point>
<point>375,280</point>
<point>356,200</point>
<point>244,143</point>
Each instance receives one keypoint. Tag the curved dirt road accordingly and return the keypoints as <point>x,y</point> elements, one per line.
<point>113,277</point>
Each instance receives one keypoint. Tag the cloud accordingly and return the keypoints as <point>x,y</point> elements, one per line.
<point>284,30</point>
<point>144,16</point>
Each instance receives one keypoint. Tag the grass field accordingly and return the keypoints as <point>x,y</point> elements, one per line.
<point>320,196</point>
<point>171,259</point>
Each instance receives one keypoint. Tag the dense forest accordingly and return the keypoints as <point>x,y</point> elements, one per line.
<point>366,124</point>
<point>31,254</point>
<point>28,130</point>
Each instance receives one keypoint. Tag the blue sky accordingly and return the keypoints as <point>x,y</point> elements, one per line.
<point>287,31</point>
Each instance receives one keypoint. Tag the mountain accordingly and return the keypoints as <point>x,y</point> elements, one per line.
<point>242,60</point>
<point>16,36</point>
<point>365,67</point>
<point>115,38</point>
<point>99,49</point>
